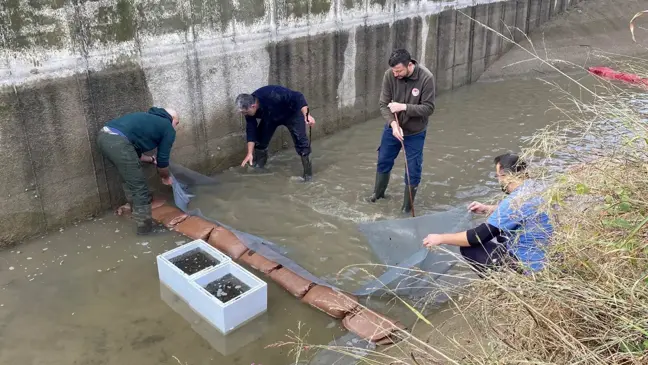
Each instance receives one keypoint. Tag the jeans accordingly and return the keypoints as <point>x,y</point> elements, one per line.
<point>297,127</point>
<point>390,147</point>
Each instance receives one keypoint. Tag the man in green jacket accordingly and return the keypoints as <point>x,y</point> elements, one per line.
<point>406,102</point>
<point>124,140</point>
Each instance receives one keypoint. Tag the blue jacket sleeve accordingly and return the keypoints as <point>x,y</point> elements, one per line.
<point>164,149</point>
<point>251,129</point>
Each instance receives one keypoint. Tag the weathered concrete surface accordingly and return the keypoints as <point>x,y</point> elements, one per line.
<point>589,33</point>
<point>67,67</point>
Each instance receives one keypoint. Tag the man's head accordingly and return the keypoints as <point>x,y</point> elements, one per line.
<point>401,63</point>
<point>176,119</point>
<point>247,104</point>
<point>510,171</point>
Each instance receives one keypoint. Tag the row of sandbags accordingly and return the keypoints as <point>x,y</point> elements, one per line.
<point>364,322</point>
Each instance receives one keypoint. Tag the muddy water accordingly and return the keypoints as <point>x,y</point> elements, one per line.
<point>90,293</point>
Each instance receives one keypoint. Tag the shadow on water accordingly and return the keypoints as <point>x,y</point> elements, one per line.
<point>90,293</point>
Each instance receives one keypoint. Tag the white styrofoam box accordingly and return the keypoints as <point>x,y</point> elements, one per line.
<point>227,317</point>
<point>175,278</point>
<point>225,344</point>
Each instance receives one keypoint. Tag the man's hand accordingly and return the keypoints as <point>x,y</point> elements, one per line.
<point>310,121</point>
<point>248,158</point>
<point>149,159</point>
<point>124,210</point>
<point>166,180</point>
<point>397,131</point>
<point>479,208</point>
<point>397,107</point>
<point>432,240</point>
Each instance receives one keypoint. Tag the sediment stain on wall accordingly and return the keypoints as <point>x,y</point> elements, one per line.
<point>68,66</point>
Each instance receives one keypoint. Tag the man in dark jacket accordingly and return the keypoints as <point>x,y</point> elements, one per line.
<point>408,92</point>
<point>124,140</point>
<point>275,105</point>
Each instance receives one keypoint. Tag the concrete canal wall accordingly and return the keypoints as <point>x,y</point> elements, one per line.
<point>68,66</point>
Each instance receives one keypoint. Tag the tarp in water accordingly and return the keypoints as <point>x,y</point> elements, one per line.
<point>396,243</point>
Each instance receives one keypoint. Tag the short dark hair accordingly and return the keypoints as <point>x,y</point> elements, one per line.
<point>245,101</point>
<point>400,56</point>
<point>511,163</point>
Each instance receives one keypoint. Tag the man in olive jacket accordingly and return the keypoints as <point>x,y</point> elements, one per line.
<point>408,91</point>
<point>124,139</point>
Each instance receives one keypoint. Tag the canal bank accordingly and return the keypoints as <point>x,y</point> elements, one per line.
<point>91,293</point>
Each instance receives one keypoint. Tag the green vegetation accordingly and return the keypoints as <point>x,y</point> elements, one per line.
<point>590,304</point>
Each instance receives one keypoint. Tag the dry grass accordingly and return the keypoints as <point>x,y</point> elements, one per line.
<point>590,303</point>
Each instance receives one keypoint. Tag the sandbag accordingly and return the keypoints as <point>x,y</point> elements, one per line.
<point>170,223</point>
<point>225,240</point>
<point>292,282</point>
<point>168,215</point>
<point>258,262</point>
<point>334,303</point>
<point>157,202</point>
<point>195,228</point>
<point>372,326</point>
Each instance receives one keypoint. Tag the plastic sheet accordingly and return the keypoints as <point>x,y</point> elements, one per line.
<point>181,194</point>
<point>395,242</point>
<point>611,74</point>
<point>398,243</point>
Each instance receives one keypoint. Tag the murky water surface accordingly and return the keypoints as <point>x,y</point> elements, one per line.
<point>90,293</point>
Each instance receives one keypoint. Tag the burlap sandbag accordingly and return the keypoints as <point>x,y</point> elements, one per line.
<point>334,303</point>
<point>168,215</point>
<point>259,262</point>
<point>372,326</point>
<point>226,241</point>
<point>292,282</point>
<point>195,228</point>
<point>157,202</point>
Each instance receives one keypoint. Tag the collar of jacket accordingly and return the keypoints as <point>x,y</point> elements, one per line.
<point>415,73</point>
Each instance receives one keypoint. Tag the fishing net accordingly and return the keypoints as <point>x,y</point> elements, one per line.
<point>413,271</point>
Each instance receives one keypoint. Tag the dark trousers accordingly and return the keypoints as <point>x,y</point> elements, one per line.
<point>297,127</point>
<point>121,153</point>
<point>390,148</point>
<point>489,256</point>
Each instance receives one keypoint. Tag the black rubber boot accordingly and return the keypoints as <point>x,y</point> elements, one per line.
<point>308,168</point>
<point>260,158</point>
<point>149,228</point>
<point>407,204</point>
<point>382,180</point>
<point>145,227</point>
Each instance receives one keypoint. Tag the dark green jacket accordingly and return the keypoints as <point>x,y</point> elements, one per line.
<point>147,131</point>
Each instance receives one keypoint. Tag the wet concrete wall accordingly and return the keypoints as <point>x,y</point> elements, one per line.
<point>68,66</point>
<point>590,33</point>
